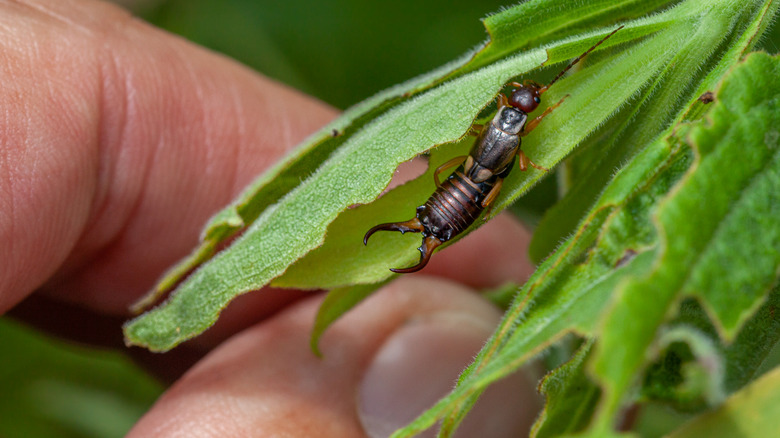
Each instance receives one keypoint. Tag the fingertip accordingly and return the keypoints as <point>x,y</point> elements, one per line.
<point>267,379</point>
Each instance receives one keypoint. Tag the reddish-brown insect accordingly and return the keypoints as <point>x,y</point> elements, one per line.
<point>707,97</point>
<point>475,184</point>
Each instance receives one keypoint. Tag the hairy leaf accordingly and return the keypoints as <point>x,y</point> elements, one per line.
<point>716,43</point>
<point>697,223</point>
<point>296,224</point>
<point>571,398</point>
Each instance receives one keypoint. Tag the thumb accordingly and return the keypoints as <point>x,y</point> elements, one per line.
<point>385,363</point>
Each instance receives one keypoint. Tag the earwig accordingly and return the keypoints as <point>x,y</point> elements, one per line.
<point>476,183</point>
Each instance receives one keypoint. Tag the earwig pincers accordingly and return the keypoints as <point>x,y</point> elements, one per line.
<point>475,184</point>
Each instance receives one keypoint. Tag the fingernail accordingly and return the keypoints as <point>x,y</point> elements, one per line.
<point>420,363</point>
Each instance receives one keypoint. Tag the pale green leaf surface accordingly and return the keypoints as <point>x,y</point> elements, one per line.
<point>343,259</point>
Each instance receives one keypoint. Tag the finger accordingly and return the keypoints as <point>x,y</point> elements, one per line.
<point>398,352</point>
<point>118,142</point>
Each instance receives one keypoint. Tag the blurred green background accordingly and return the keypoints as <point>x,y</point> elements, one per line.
<point>341,51</point>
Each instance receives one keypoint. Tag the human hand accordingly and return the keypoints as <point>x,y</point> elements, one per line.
<point>118,142</point>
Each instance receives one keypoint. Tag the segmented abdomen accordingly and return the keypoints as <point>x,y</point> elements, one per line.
<point>455,205</point>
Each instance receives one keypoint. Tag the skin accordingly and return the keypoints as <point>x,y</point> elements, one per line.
<point>109,128</point>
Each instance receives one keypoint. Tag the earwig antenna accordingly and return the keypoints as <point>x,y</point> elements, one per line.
<point>576,60</point>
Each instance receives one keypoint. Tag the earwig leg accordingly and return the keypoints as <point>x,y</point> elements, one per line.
<point>450,163</point>
<point>526,83</point>
<point>524,162</point>
<point>476,129</point>
<point>414,225</point>
<point>426,249</point>
<point>502,101</point>
<point>533,123</point>
<point>491,197</point>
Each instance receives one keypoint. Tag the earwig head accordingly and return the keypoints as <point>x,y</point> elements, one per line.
<point>526,97</point>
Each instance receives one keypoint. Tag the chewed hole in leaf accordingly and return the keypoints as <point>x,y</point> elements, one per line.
<point>408,171</point>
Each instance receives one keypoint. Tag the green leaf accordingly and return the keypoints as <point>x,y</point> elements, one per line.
<point>710,212</point>
<point>531,24</point>
<point>696,68</point>
<point>744,359</point>
<point>52,389</point>
<point>296,224</point>
<point>751,412</point>
<point>571,398</point>
<point>337,302</point>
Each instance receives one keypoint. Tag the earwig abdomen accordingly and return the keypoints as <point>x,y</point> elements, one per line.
<point>454,206</point>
